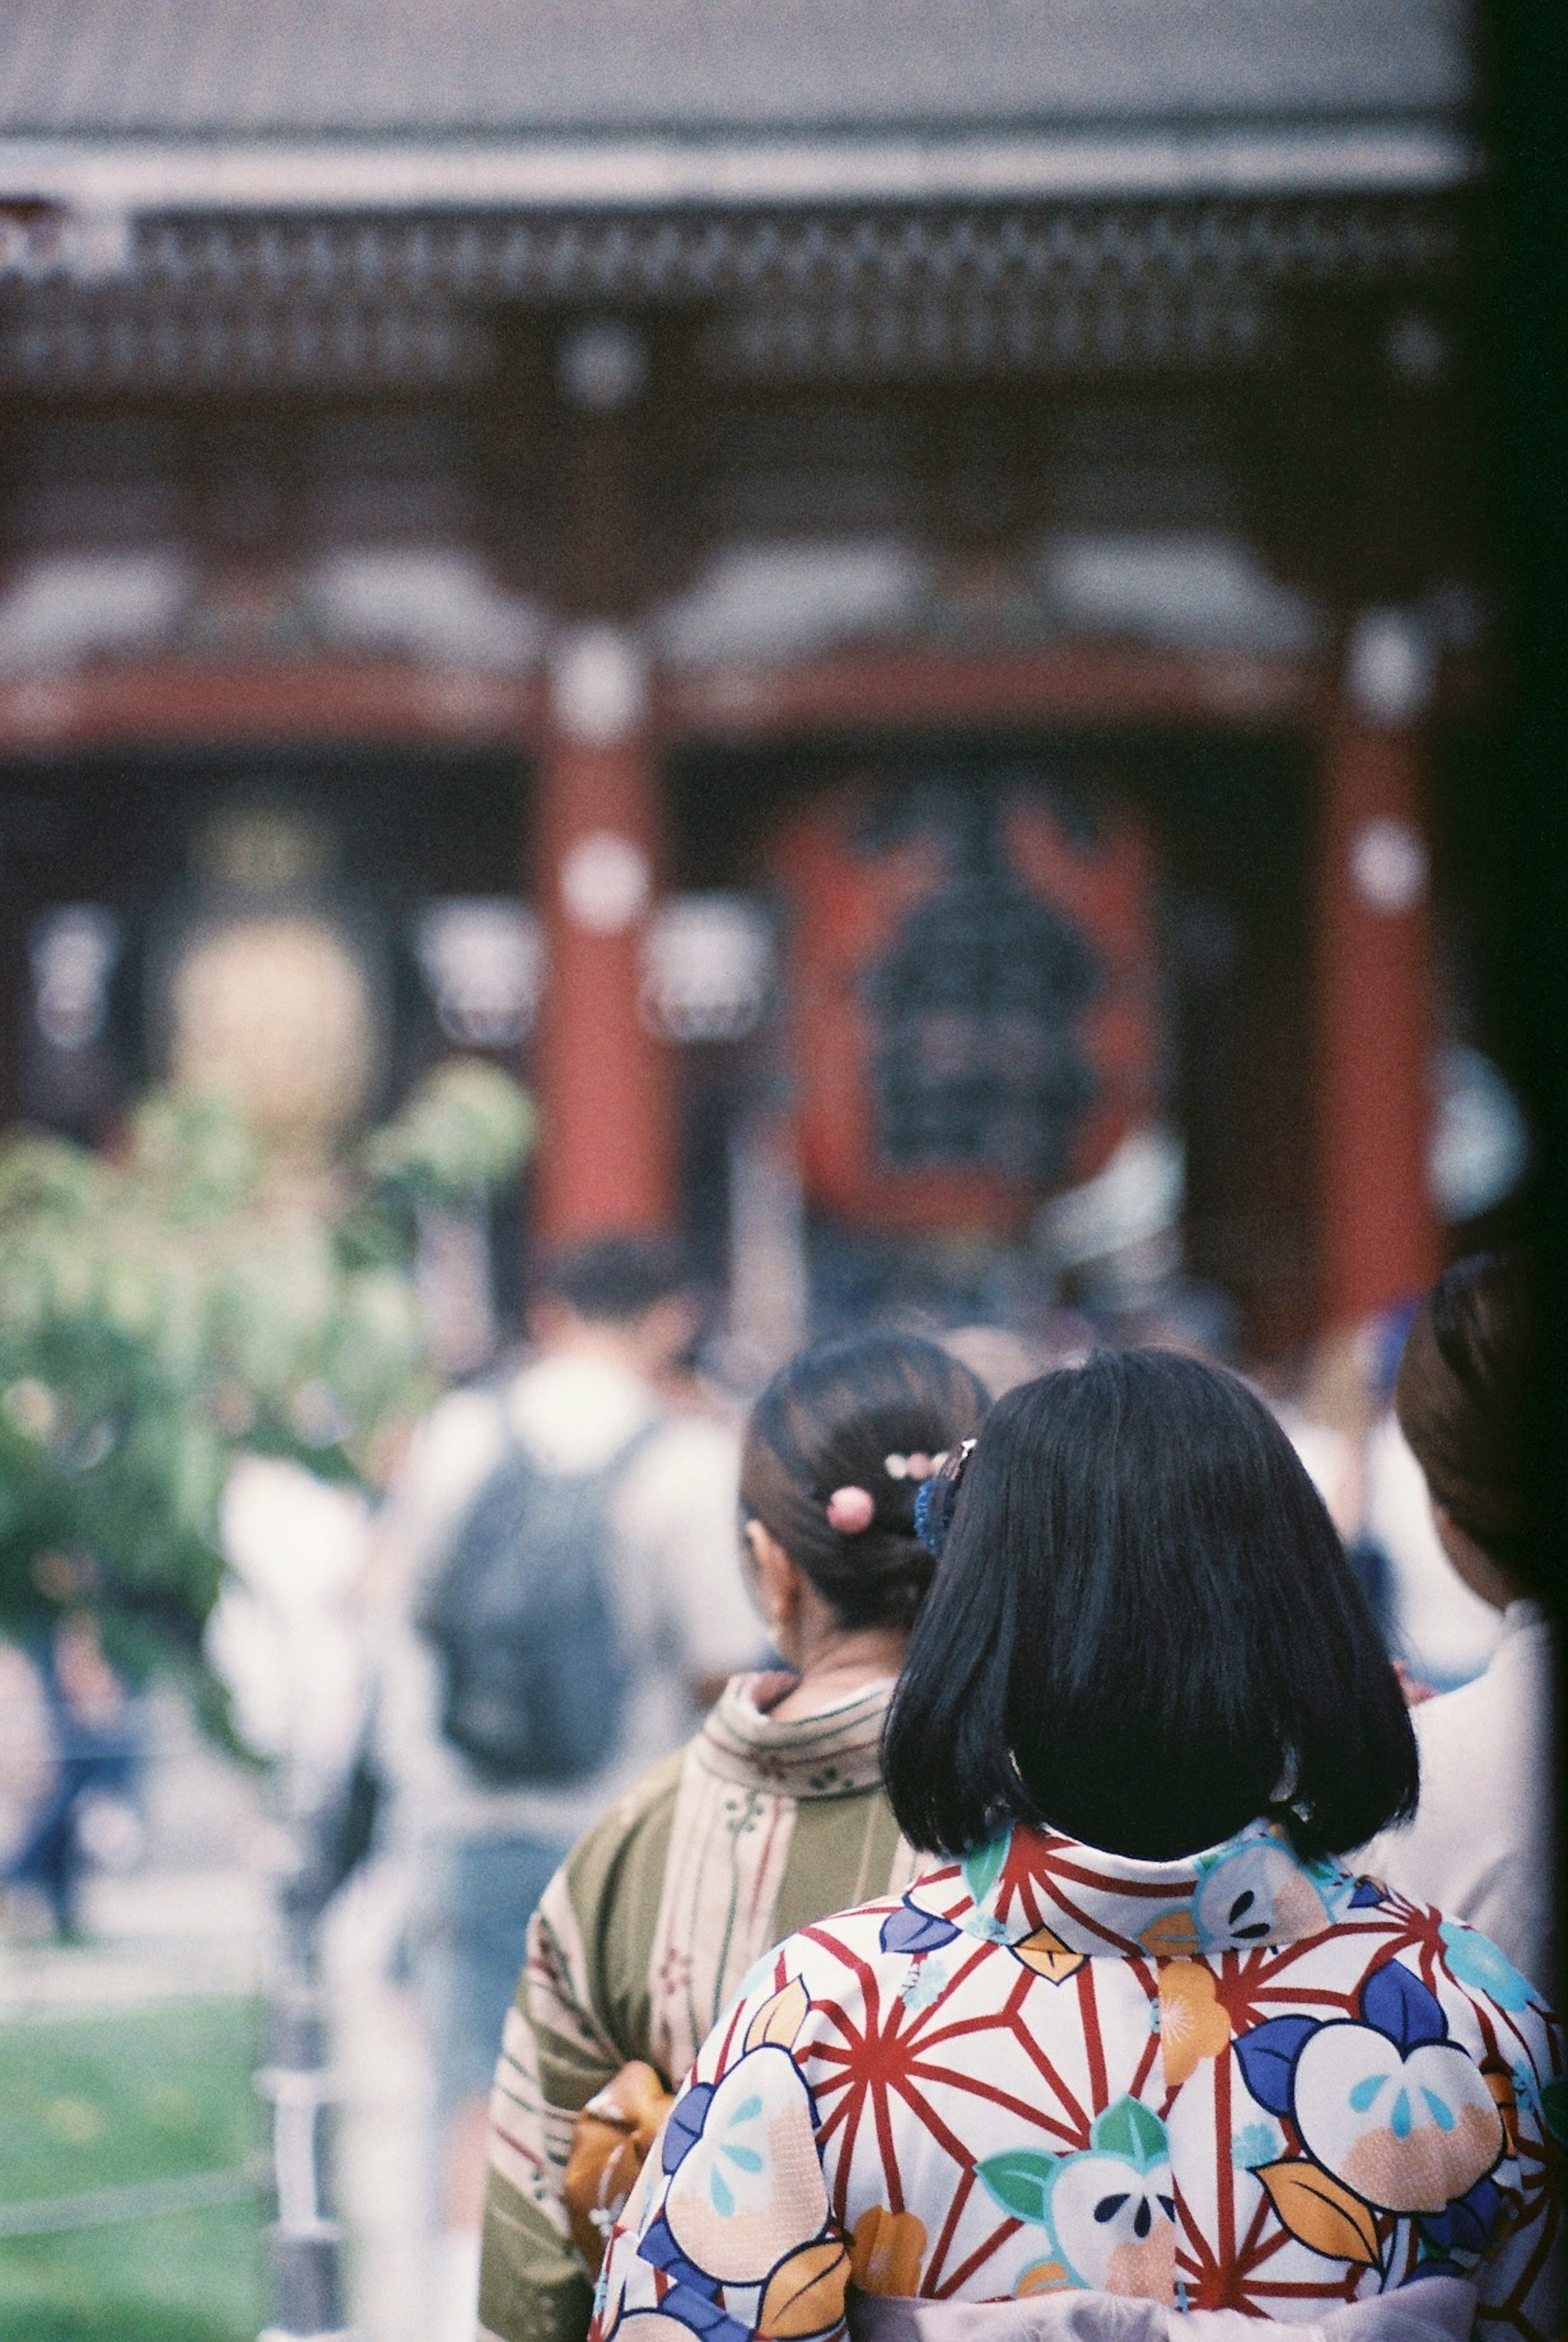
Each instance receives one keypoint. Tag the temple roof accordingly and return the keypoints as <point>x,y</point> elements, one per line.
<point>200,70</point>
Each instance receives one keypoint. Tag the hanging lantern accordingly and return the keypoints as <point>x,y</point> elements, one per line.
<point>971,974</point>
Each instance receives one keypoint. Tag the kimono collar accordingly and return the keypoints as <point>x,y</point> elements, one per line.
<point>829,1755</point>
<point>1253,1892</point>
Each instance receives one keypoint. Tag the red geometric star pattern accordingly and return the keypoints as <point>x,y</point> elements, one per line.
<point>987,2066</point>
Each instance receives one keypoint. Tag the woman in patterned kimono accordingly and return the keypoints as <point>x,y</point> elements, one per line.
<point>773,1815</point>
<point>1142,2053</point>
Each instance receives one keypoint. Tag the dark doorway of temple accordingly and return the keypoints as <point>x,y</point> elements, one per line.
<point>1141,977</point>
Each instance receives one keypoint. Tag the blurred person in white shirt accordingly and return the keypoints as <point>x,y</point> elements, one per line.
<point>609,1322</point>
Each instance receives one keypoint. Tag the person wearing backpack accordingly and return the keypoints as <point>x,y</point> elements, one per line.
<point>773,1815</point>
<point>564,1545</point>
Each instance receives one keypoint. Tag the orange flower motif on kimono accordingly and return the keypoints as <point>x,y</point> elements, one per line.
<point>1171,1936</point>
<point>1193,2024</point>
<point>1049,1956</point>
<point>889,2247</point>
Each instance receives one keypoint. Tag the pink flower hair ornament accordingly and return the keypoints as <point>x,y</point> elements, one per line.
<point>851,1511</point>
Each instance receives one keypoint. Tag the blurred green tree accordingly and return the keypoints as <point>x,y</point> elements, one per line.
<point>168,1306</point>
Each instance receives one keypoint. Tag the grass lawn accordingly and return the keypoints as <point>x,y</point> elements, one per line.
<point>125,2099</point>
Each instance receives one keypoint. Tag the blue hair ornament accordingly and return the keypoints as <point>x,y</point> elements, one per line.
<point>934,1505</point>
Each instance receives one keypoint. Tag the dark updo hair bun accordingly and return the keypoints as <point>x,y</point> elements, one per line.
<point>830,1420</point>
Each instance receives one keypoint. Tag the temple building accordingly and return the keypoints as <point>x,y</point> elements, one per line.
<point>896,594</point>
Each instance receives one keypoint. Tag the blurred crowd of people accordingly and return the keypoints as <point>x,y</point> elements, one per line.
<point>626,1691</point>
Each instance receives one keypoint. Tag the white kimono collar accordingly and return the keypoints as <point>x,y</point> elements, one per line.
<point>830,1754</point>
<point>1036,1888</point>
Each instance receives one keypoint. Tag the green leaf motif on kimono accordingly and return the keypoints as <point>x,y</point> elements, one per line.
<point>1129,2128</point>
<point>1555,2108</point>
<point>982,1868</point>
<point>1020,2180</point>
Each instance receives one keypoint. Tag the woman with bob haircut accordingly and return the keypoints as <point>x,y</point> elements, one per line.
<point>772,1815</point>
<point>1140,2050</point>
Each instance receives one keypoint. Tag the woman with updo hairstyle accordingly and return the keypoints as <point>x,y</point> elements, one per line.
<point>1482,1843</point>
<point>773,1817</point>
<point>836,1451</point>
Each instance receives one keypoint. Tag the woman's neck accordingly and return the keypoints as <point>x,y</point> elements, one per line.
<point>833,1668</point>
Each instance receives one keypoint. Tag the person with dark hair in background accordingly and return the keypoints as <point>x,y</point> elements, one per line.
<point>774,1814</point>
<point>1481,1842</point>
<point>1143,2051</point>
<point>560,1550</point>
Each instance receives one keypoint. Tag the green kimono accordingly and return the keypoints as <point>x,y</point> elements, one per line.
<point>752,1830</point>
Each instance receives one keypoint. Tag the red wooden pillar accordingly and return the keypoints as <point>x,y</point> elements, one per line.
<point>604,1081</point>
<point>1380,1237</point>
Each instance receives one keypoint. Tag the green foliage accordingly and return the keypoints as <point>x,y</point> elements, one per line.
<point>164,1308</point>
<point>467,1131</point>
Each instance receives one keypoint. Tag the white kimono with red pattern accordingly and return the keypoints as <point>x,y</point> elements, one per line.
<point>1240,2082</point>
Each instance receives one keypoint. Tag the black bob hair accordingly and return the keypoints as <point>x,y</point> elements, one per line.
<point>1143,1632</point>
<point>829,1419</point>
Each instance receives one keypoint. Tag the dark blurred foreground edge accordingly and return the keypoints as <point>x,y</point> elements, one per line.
<point>1529,62</point>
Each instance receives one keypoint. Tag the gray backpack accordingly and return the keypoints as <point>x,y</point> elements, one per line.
<point>522,1615</point>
